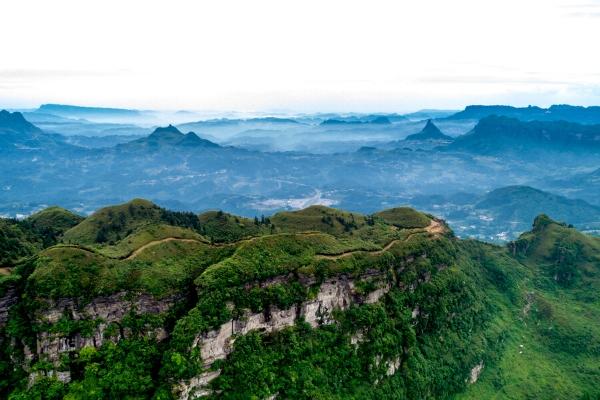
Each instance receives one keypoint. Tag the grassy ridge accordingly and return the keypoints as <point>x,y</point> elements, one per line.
<point>111,224</point>
<point>404,217</point>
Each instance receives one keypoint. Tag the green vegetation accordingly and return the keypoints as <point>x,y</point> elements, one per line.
<point>150,234</point>
<point>23,238</point>
<point>51,223</point>
<point>221,227</point>
<point>76,273</point>
<point>318,218</point>
<point>552,339</point>
<point>14,243</point>
<point>300,362</point>
<point>114,223</point>
<point>526,313</point>
<point>111,224</point>
<point>560,253</point>
<point>404,217</point>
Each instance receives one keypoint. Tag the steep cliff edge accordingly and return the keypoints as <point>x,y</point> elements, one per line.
<point>319,303</point>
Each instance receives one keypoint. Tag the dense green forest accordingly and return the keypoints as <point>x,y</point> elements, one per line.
<point>138,302</point>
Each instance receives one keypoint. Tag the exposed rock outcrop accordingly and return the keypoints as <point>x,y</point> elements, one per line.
<point>9,299</point>
<point>61,376</point>
<point>104,311</point>
<point>196,387</point>
<point>475,372</point>
<point>336,293</point>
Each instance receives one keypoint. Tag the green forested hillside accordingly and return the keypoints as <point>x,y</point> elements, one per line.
<point>40,230</point>
<point>553,339</point>
<point>140,302</point>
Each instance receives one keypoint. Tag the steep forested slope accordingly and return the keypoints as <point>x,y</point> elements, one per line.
<point>136,301</point>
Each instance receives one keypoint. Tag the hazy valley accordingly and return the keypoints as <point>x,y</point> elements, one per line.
<point>450,165</point>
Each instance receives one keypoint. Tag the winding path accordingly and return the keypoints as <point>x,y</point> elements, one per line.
<point>435,227</point>
<point>137,251</point>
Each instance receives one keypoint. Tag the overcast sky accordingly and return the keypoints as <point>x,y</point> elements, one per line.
<point>299,55</point>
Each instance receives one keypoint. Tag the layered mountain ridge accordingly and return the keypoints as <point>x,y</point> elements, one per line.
<point>559,112</point>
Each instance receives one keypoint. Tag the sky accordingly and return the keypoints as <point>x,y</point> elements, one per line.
<point>299,56</point>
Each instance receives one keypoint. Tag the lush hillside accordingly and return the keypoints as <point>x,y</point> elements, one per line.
<point>218,226</point>
<point>14,243</point>
<point>40,230</point>
<point>561,252</point>
<point>553,343</point>
<point>318,303</point>
<point>404,217</point>
<point>111,224</point>
<point>51,223</point>
<point>318,218</point>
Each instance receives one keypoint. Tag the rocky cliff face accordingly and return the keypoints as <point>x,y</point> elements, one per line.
<point>337,293</point>
<point>9,299</point>
<point>102,312</point>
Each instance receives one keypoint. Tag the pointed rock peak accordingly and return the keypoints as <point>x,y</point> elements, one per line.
<point>431,128</point>
<point>429,132</point>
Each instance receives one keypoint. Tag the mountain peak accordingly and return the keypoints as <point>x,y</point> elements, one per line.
<point>429,132</point>
<point>16,122</point>
<point>166,131</point>
<point>541,221</point>
<point>430,127</point>
<point>171,136</point>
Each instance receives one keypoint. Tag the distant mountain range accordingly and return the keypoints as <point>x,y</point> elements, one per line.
<point>378,120</point>
<point>190,171</point>
<point>84,112</point>
<point>14,123</point>
<point>517,205</point>
<point>502,214</point>
<point>493,135</point>
<point>169,136</point>
<point>429,114</point>
<point>582,115</point>
<point>585,185</point>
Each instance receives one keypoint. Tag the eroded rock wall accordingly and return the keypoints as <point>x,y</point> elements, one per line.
<point>334,294</point>
<point>104,310</point>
